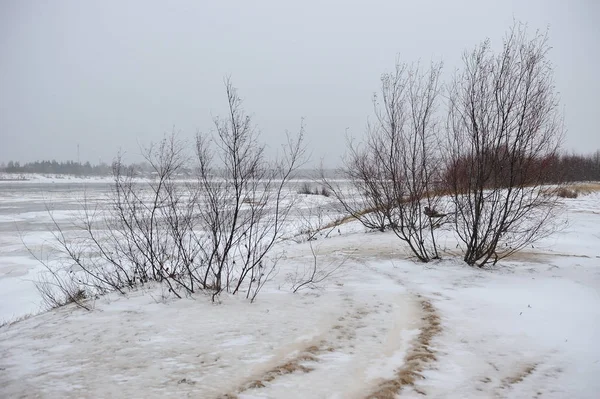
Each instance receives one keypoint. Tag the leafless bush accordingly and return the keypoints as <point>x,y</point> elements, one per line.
<point>58,286</point>
<point>244,211</point>
<point>9,322</point>
<point>564,192</point>
<point>213,234</point>
<point>575,168</point>
<point>57,291</point>
<point>306,189</point>
<point>315,222</point>
<point>503,123</point>
<point>393,173</point>
<point>310,276</point>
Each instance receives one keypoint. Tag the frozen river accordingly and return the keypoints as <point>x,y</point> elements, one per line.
<point>24,219</point>
<point>26,212</point>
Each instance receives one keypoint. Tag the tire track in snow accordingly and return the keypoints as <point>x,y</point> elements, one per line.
<point>418,358</point>
<point>341,338</point>
<point>341,335</point>
<point>420,355</point>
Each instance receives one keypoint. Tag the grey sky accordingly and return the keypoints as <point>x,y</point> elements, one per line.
<point>109,74</point>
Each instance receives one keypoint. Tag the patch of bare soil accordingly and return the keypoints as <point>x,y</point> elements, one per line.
<point>418,358</point>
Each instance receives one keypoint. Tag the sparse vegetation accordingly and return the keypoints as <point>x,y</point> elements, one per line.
<point>565,192</point>
<point>395,170</point>
<point>311,275</point>
<point>306,189</point>
<point>502,134</point>
<point>10,322</point>
<point>504,124</point>
<point>220,263</point>
<point>212,235</point>
<point>59,286</point>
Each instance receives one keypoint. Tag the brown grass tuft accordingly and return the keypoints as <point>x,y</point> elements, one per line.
<point>8,323</point>
<point>520,376</point>
<point>587,188</point>
<point>565,192</point>
<point>575,189</point>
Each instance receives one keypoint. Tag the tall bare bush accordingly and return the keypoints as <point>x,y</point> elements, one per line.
<point>394,171</point>
<point>503,124</point>
<point>210,234</point>
<point>245,203</point>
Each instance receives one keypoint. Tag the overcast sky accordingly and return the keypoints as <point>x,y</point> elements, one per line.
<point>111,74</point>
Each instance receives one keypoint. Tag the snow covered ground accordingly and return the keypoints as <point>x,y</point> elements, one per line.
<point>35,178</point>
<point>527,328</point>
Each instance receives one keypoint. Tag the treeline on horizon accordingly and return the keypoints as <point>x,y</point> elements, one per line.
<point>564,167</point>
<point>58,168</point>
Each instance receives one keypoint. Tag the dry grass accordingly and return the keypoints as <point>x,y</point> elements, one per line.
<point>587,188</point>
<point>416,360</point>
<point>519,377</point>
<point>565,192</point>
<point>341,221</point>
<point>290,367</point>
<point>573,190</point>
<point>521,374</point>
<point>8,323</point>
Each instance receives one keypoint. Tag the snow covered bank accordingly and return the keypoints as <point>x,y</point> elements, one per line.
<point>528,328</point>
<point>32,178</point>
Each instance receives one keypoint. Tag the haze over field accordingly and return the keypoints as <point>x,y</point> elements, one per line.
<point>112,74</point>
<point>453,252</point>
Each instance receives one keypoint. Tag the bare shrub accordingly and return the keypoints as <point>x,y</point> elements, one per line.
<point>564,192</point>
<point>313,221</point>
<point>393,173</point>
<point>305,189</point>
<point>212,234</point>
<point>503,124</point>
<point>310,276</point>
<point>239,234</point>
<point>58,287</point>
<point>57,292</point>
<point>9,322</point>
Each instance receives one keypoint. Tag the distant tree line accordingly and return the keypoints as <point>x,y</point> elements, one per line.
<point>558,168</point>
<point>59,168</point>
<point>75,168</point>
<point>576,167</point>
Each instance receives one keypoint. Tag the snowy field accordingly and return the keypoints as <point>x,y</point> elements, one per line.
<point>528,328</point>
